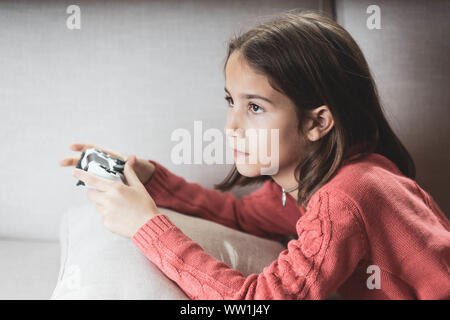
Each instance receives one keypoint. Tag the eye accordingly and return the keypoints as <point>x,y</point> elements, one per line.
<point>256,109</point>
<point>229,100</point>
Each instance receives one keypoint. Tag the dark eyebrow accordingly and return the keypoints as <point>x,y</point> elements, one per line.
<point>251,96</point>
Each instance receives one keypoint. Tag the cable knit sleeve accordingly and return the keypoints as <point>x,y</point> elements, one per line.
<point>267,219</point>
<point>330,244</point>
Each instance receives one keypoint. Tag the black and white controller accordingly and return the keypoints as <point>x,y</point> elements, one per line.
<point>101,164</point>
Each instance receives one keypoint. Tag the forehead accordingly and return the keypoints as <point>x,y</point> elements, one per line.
<point>239,74</point>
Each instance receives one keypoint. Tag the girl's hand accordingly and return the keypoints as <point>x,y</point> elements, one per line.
<point>143,168</point>
<point>124,208</point>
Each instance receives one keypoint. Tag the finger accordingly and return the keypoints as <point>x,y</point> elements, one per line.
<point>66,162</point>
<point>96,196</point>
<point>93,180</point>
<point>83,146</point>
<point>130,174</point>
<point>100,209</point>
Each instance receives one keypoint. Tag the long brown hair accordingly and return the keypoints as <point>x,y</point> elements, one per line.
<point>314,61</point>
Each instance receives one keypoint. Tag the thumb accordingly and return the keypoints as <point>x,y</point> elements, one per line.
<point>130,174</point>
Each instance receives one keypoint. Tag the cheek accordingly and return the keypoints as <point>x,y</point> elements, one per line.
<point>281,149</point>
<point>287,144</point>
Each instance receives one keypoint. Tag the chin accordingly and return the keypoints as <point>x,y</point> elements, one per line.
<point>249,170</point>
<point>252,171</point>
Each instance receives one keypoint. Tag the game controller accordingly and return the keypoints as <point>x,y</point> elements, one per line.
<point>101,164</point>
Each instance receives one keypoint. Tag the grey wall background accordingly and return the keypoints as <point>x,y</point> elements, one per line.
<point>133,73</point>
<point>136,71</point>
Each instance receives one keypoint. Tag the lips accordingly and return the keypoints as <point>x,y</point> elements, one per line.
<point>233,144</point>
<point>240,152</point>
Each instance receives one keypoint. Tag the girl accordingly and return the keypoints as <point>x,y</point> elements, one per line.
<point>344,187</point>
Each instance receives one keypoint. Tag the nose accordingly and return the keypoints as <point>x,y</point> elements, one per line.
<point>234,124</point>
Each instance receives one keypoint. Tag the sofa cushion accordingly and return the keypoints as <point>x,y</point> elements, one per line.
<point>97,264</point>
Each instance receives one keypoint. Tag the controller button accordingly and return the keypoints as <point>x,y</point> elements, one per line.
<point>118,168</point>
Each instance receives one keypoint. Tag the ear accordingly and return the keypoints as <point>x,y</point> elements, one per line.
<point>321,123</point>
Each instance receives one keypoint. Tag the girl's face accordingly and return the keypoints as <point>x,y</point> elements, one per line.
<point>261,122</point>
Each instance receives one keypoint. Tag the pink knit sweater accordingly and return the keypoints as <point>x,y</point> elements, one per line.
<point>368,216</point>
